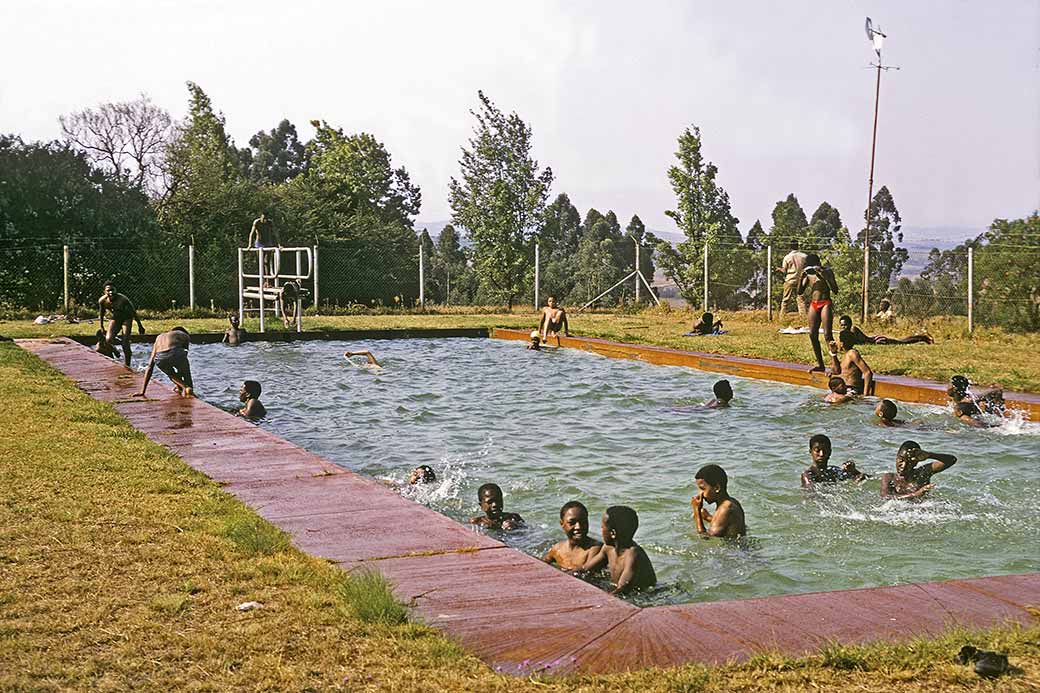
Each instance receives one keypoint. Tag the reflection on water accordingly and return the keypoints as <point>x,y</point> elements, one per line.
<point>571,425</point>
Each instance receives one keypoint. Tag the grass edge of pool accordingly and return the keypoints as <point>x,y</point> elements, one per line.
<point>123,567</point>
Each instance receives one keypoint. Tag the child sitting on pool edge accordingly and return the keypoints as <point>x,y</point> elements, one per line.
<point>491,502</point>
<point>630,567</point>
<point>575,551</point>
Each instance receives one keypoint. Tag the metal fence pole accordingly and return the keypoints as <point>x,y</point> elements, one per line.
<point>241,291</point>
<point>537,277</point>
<point>637,269</point>
<point>191,277</point>
<point>705,276</point>
<point>971,289</point>
<point>447,291</point>
<point>65,276</point>
<point>315,279</point>
<point>260,283</point>
<point>769,283</point>
<point>422,278</point>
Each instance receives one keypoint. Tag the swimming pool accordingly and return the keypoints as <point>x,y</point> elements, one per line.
<point>551,427</point>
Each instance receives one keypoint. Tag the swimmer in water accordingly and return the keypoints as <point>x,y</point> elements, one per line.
<point>366,353</point>
<point>910,480</point>
<point>839,391</point>
<point>856,373</point>
<point>990,401</point>
<point>886,411</point>
<point>728,519</point>
<point>723,394</point>
<point>630,567</point>
<point>423,474</point>
<point>554,319</point>
<point>820,471</point>
<point>578,548</point>
<point>104,347</point>
<point>233,335</point>
<point>249,394</point>
<point>969,413</point>
<point>491,502</point>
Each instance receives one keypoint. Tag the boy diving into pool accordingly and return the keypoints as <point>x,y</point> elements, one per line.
<point>728,518</point>
<point>910,480</point>
<point>630,567</point>
<point>820,471</point>
<point>490,496</point>
<point>575,551</point>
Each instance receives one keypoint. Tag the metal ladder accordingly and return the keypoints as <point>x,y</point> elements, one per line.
<point>270,298</point>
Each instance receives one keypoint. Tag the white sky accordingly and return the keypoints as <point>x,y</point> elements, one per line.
<point>780,90</point>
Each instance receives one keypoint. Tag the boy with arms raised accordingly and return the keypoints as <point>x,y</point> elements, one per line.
<point>728,519</point>
<point>820,471</point>
<point>911,481</point>
<point>575,551</point>
<point>630,567</point>
<point>490,496</point>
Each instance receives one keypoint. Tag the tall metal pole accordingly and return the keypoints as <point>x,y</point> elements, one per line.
<point>241,291</point>
<point>769,283</point>
<point>422,278</point>
<point>870,197</point>
<point>638,272</point>
<point>65,277</point>
<point>537,276</point>
<point>315,278</point>
<point>705,276</point>
<point>971,289</point>
<point>191,277</point>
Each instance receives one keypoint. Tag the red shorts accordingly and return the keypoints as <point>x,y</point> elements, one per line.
<point>818,305</point>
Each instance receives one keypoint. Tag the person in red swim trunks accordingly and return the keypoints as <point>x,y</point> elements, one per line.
<point>821,280</point>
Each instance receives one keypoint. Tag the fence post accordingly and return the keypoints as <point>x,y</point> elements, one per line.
<point>769,283</point>
<point>191,277</point>
<point>422,278</point>
<point>241,291</point>
<point>65,276</point>
<point>315,278</point>
<point>637,269</point>
<point>705,276</point>
<point>537,276</point>
<point>447,291</point>
<point>971,289</point>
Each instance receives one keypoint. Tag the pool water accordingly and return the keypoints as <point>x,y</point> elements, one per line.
<point>555,426</point>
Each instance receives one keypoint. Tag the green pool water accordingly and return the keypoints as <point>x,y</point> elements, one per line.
<point>551,427</point>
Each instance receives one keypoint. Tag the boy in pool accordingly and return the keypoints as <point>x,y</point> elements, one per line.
<point>249,394</point>
<point>820,471</point>
<point>170,354</point>
<point>728,519</point>
<point>839,391</point>
<point>630,567</point>
<point>723,394</point>
<point>911,481</point>
<point>886,411</point>
<point>104,347</point>
<point>575,551</point>
<point>969,413</point>
<point>536,341</point>
<point>490,496</point>
<point>856,373</point>
<point>364,352</point>
<point>233,335</point>
<point>990,401</point>
<point>423,474</point>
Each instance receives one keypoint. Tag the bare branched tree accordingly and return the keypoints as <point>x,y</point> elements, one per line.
<point>129,139</point>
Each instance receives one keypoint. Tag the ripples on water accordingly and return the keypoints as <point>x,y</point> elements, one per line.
<point>551,427</point>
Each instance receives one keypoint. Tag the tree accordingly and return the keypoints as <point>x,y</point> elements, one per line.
<point>598,263</point>
<point>127,139</point>
<point>501,199</point>
<point>636,231</point>
<point>274,156</point>
<point>824,227</point>
<point>756,237</point>
<point>558,247</point>
<point>702,213</point>
<point>789,223</point>
<point>1006,276</point>
<point>886,260</point>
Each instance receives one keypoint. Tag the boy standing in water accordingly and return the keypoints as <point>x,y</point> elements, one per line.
<point>839,391</point>
<point>575,551</point>
<point>728,519</point>
<point>723,394</point>
<point>630,567</point>
<point>911,481</point>
<point>820,471</point>
<point>886,411</point>
<point>249,394</point>
<point>490,496</point>
<point>233,335</point>
<point>821,280</point>
<point>124,315</point>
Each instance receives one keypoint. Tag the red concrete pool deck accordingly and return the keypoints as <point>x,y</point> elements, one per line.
<point>895,387</point>
<point>511,610</point>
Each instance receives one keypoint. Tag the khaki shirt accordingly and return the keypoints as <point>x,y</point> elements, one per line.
<point>792,265</point>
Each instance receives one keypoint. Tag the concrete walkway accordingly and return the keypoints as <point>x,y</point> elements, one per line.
<point>511,610</point>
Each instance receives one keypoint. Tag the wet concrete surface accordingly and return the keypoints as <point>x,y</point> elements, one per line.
<point>516,613</point>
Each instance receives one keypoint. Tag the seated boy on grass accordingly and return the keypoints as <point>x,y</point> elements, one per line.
<point>630,567</point>
<point>249,395</point>
<point>573,552</point>
<point>820,471</point>
<point>490,496</point>
<point>728,518</point>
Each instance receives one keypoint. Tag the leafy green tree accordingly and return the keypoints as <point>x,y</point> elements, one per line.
<point>1007,283</point>
<point>637,233</point>
<point>558,247</point>
<point>598,264</point>
<point>702,213</point>
<point>500,199</point>
<point>824,228</point>
<point>886,259</point>
<point>452,267</point>
<point>789,223</point>
<point>756,237</point>
<point>274,156</point>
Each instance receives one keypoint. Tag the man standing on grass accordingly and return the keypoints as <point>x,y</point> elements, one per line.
<point>791,266</point>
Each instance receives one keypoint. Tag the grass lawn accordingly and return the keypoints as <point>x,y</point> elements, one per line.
<point>988,357</point>
<point>120,569</point>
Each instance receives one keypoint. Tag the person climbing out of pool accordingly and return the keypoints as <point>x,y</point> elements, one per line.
<point>553,320</point>
<point>494,517</point>
<point>170,354</point>
<point>911,480</point>
<point>886,411</point>
<point>249,394</point>
<point>821,472</point>
<point>366,353</point>
<point>858,336</point>
<point>821,280</point>
<point>423,474</point>
<point>852,368</point>
<point>630,567</point>
<point>124,315</point>
<point>536,341</point>
<point>104,347</point>
<point>723,392</point>
<point>233,335</point>
<point>728,518</point>
<point>706,325</point>
<point>839,391</point>
<point>578,548</point>
<point>990,401</point>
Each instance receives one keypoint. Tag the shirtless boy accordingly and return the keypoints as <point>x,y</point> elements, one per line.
<point>104,347</point>
<point>886,411</point>
<point>249,394</point>
<point>366,353</point>
<point>821,280</point>
<point>490,496</point>
<point>728,518</point>
<point>553,320</point>
<point>233,335</point>
<point>262,235</point>
<point>859,337</point>
<point>170,354</point>
<point>910,480</point>
<point>630,567</point>
<point>990,401</point>
<point>820,471</point>
<point>852,368</point>
<point>124,315</point>
<point>578,548</point>
<point>423,474</point>
<point>723,394</point>
<point>969,413</point>
<point>839,391</point>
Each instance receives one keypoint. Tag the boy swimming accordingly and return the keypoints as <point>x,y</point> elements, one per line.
<point>820,471</point>
<point>911,481</point>
<point>723,394</point>
<point>423,474</point>
<point>249,394</point>
<point>886,411</point>
<point>490,496</point>
<point>728,519</point>
<point>630,567</point>
<point>575,551</point>
<point>839,391</point>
